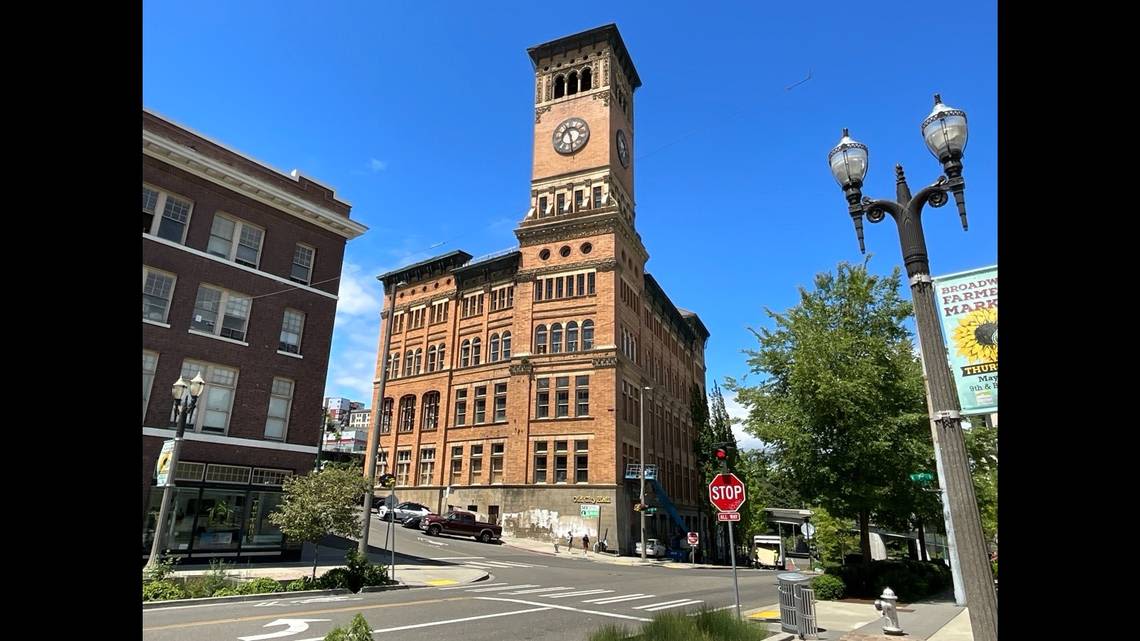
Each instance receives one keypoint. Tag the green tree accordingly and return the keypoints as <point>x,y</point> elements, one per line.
<point>982,448</point>
<point>318,504</point>
<point>843,402</point>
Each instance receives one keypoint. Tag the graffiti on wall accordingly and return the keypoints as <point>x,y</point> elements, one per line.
<point>544,525</point>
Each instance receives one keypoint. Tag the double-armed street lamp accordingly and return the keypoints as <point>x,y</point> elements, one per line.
<point>184,405</point>
<point>944,132</point>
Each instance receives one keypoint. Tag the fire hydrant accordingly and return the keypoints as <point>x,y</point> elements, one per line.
<point>886,605</point>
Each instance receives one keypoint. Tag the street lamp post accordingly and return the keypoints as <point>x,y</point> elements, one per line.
<point>641,449</point>
<point>944,132</point>
<point>184,407</point>
<point>374,441</point>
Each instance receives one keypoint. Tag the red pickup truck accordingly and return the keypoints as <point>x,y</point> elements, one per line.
<point>461,524</point>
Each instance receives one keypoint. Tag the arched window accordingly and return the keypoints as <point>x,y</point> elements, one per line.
<point>571,336</point>
<point>540,339</point>
<point>586,79</point>
<point>431,359</point>
<point>409,361</point>
<point>431,411</point>
<point>559,86</point>
<point>476,350</point>
<point>419,358</point>
<point>572,83</point>
<point>587,335</point>
<point>556,338</point>
<point>465,353</point>
<point>407,413</point>
<point>493,356</point>
<point>442,357</point>
<point>386,416</point>
<point>506,346</point>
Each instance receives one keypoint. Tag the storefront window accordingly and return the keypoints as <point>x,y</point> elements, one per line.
<point>219,520</point>
<point>259,532</point>
<point>183,508</point>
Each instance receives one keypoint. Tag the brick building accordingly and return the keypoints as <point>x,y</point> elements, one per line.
<point>513,380</point>
<point>241,268</point>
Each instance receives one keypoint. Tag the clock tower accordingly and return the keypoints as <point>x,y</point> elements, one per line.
<point>583,128</point>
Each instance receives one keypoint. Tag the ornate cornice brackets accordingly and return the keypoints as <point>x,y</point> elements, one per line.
<point>605,362</point>
<point>523,368</point>
<point>604,95</point>
<point>538,111</point>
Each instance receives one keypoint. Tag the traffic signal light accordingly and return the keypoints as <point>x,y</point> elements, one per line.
<point>720,454</point>
<point>637,507</point>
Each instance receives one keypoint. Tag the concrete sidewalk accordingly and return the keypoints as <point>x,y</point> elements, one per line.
<point>937,619</point>
<point>598,557</point>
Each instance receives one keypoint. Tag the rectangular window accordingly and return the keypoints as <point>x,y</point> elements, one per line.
<point>403,466</point>
<point>236,240</point>
<point>540,461</point>
<point>473,305</point>
<point>549,289</point>
<point>292,325</point>
<point>461,407</point>
<point>238,474</point>
<point>558,287</point>
<point>233,307</point>
<point>542,403</point>
<point>158,288</point>
<point>397,322</point>
<point>597,197</point>
<point>582,390</point>
<point>439,312</point>
<point>302,270</point>
<point>562,395</point>
<point>579,199</point>
<point>381,466</point>
<point>212,413</point>
<point>456,463</point>
<point>560,202</point>
<point>590,283</point>
<point>172,224</point>
<point>500,401</point>
<point>541,205</point>
<point>560,461</point>
<point>581,280</point>
<point>280,401</point>
<point>427,465</point>
<point>480,404</point>
<point>582,461</point>
<point>386,416</point>
<point>503,298</point>
<point>497,462</point>
<point>476,464</point>
<point>150,364</point>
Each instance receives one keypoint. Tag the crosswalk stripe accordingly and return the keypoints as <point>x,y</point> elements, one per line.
<point>478,565</point>
<point>462,587</point>
<point>675,605</point>
<point>618,599</point>
<point>644,607</point>
<point>541,590</point>
<point>503,587</point>
<point>516,564</point>
<point>563,595</point>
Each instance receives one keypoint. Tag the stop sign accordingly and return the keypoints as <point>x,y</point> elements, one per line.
<point>726,492</point>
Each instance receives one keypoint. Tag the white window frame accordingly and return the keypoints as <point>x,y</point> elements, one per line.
<point>212,467</point>
<point>235,240</point>
<point>148,385</point>
<point>312,263</point>
<point>160,208</point>
<point>223,303</point>
<point>430,463</point>
<point>300,332</point>
<point>288,408</point>
<point>169,301</point>
<point>191,367</point>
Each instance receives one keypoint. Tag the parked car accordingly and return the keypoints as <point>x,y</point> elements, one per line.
<point>402,511</point>
<point>652,548</point>
<point>413,522</point>
<point>461,524</point>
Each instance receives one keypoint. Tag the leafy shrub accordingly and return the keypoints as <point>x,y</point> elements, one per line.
<point>163,590</point>
<point>910,580</point>
<point>705,626</point>
<point>160,571</point>
<point>217,578</point>
<point>993,566</point>
<point>828,587</point>
<point>196,587</point>
<point>359,572</point>
<point>303,583</point>
<point>358,630</point>
<point>226,592</point>
<point>334,578</point>
<point>261,585</point>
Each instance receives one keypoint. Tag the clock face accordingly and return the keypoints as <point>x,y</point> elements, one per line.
<point>623,148</point>
<point>571,135</point>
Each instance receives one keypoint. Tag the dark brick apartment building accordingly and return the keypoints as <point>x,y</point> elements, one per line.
<point>241,268</point>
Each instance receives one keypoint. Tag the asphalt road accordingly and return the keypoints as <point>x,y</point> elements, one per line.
<point>527,596</point>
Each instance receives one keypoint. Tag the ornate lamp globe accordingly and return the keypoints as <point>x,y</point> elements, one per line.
<point>944,131</point>
<point>848,162</point>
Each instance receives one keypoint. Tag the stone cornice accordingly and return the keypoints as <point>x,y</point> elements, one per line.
<point>601,264</point>
<point>200,165</point>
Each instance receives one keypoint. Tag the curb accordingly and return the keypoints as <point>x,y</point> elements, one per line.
<point>238,598</point>
<point>386,588</point>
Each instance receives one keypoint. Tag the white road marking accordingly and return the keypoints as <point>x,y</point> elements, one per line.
<point>645,607</point>
<point>456,558</point>
<point>516,564</point>
<point>475,618</point>
<point>563,595</point>
<point>541,590</point>
<point>483,566</point>
<point>618,599</point>
<point>294,626</point>
<point>675,605</point>
<point>555,606</point>
<point>464,587</point>
<point>504,587</point>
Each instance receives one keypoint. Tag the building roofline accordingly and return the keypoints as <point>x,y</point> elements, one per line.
<point>443,262</point>
<point>655,291</point>
<point>608,32</point>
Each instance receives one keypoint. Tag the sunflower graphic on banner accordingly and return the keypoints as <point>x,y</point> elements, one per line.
<point>967,303</point>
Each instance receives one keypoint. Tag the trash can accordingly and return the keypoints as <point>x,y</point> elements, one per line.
<point>790,585</point>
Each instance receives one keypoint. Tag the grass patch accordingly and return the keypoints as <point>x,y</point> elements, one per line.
<point>706,625</point>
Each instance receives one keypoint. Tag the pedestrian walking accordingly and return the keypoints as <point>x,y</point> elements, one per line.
<point>585,544</point>
<point>569,541</point>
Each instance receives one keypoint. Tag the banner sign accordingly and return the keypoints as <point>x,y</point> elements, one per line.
<point>967,304</point>
<point>162,470</point>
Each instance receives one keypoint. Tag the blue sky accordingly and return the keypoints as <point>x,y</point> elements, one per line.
<point>419,112</point>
